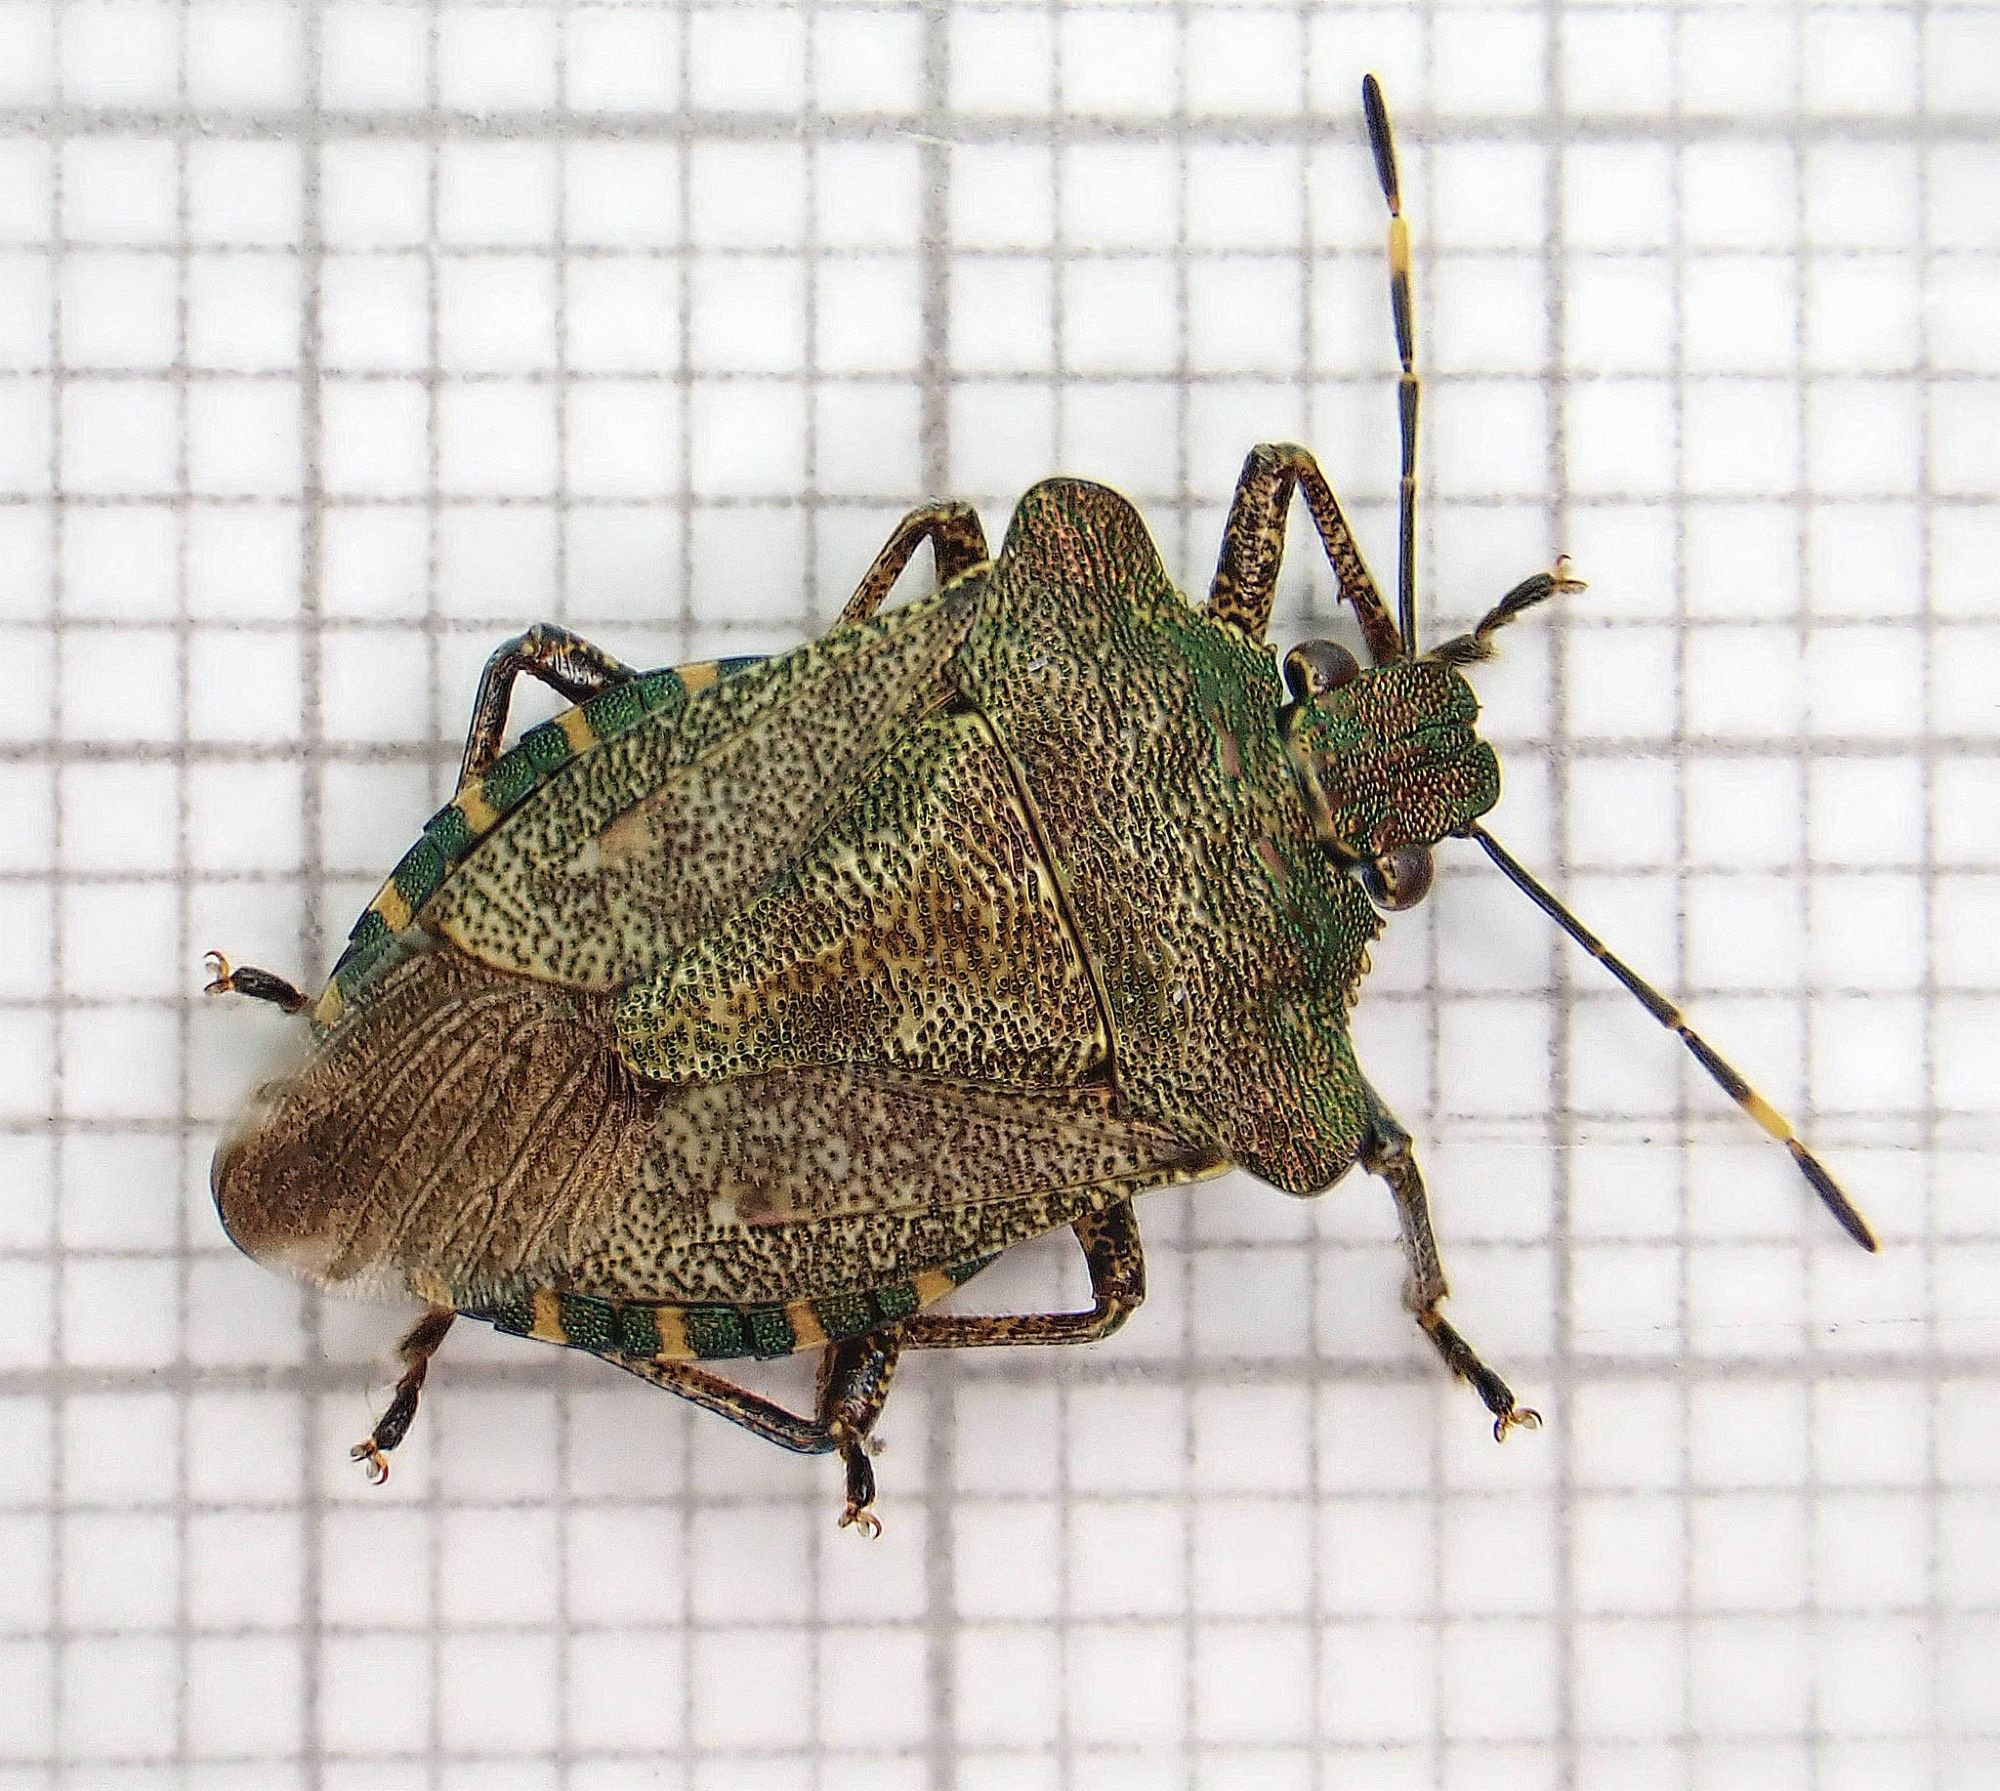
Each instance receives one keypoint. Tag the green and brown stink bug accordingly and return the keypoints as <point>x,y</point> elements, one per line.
<point>748,1008</point>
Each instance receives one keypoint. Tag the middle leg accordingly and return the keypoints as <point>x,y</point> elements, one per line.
<point>567,663</point>
<point>958,543</point>
<point>1110,1241</point>
<point>1386,1152</point>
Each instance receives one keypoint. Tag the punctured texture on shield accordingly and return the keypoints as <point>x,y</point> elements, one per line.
<point>1396,759</point>
<point>921,930</point>
<point>653,839</point>
<point>823,1179</point>
<point>1226,943</point>
<point>940,933</point>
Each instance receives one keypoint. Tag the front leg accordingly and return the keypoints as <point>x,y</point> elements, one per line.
<point>1253,548</point>
<point>1466,649</point>
<point>1385,1151</point>
<point>1110,1241</point>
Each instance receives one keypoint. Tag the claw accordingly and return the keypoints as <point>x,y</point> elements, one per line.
<point>860,1484</point>
<point>1523,1417</point>
<point>863,1521</point>
<point>258,985</point>
<point>1560,577</point>
<point>378,1463</point>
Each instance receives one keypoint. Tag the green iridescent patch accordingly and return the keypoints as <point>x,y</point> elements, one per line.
<point>638,1331</point>
<point>516,1314</point>
<point>356,967</point>
<point>419,873</point>
<point>896,1299</point>
<point>771,1332</point>
<point>367,942</point>
<point>715,1331</point>
<point>843,1315</point>
<point>510,777</point>
<point>449,832</point>
<point>586,1321</point>
<point>547,747</point>
<point>661,691</point>
<point>370,930</point>
<point>612,711</point>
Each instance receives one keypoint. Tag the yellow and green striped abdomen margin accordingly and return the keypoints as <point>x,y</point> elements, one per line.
<point>478,808</point>
<point>648,1331</point>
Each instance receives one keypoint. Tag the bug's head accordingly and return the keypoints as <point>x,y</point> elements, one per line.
<point>1388,761</point>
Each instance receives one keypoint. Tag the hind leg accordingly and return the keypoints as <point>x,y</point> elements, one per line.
<point>854,1378</point>
<point>419,1344</point>
<point>1117,1265</point>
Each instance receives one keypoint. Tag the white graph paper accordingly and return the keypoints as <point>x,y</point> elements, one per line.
<point>339,341</point>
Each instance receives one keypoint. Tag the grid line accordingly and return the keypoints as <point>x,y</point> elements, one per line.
<point>1249,1539</point>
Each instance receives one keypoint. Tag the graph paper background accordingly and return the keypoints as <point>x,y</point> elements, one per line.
<point>339,341</point>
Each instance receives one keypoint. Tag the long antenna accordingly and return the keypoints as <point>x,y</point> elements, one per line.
<point>1726,1076</point>
<point>1408,388</point>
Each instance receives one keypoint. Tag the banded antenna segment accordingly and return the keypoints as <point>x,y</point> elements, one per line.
<point>1408,387</point>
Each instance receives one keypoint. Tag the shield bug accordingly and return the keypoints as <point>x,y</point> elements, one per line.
<point>749,1007</point>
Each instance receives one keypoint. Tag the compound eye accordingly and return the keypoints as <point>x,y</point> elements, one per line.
<point>1312,668</point>
<point>1399,879</point>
